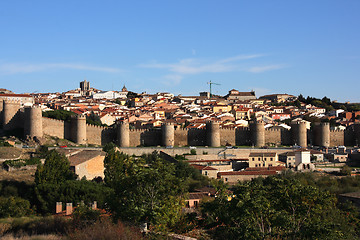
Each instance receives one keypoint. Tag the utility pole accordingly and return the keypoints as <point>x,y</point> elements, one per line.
<point>212,83</point>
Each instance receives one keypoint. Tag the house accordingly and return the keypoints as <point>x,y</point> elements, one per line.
<point>218,164</point>
<point>195,198</point>
<point>85,163</point>
<point>279,97</point>
<point>219,108</point>
<point>107,119</point>
<point>208,171</point>
<point>263,159</point>
<point>337,157</point>
<point>303,160</point>
<point>289,158</point>
<point>248,174</point>
<point>24,99</point>
<point>235,95</point>
<point>242,113</point>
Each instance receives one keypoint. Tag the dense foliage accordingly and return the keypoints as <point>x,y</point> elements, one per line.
<point>326,103</point>
<point>280,207</point>
<point>94,120</point>
<point>56,169</point>
<point>145,189</point>
<point>55,182</point>
<point>148,189</point>
<point>14,207</point>
<point>59,114</point>
<point>21,162</point>
<point>151,189</point>
<point>74,191</point>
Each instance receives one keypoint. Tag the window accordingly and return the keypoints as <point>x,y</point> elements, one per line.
<point>226,179</point>
<point>259,159</point>
<point>263,164</point>
<point>264,159</point>
<point>206,173</point>
<point>271,159</point>
<point>253,159</point>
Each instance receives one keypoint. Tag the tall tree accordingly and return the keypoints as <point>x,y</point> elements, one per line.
<point>145,189</point>
<point>278,208</point>
<point>56,169</point>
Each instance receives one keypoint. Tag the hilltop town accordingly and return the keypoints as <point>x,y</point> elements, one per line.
<point>234,110</point>
<point>276,125</point>
<point>207,147</point>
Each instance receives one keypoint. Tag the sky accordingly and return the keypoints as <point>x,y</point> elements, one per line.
<point>297,47</point>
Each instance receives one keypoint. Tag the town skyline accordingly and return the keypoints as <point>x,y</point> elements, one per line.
<point>308,48</point>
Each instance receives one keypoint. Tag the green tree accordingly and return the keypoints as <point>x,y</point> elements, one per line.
<point>14,207</point>
<point>345,170</point>
<point>59,114</point>
<point>278,208</point>
<point>145,189</point>
<point>56,169</point>
<point>94,119</point>
<point>301,98</point>
<point>108,147</point>
<point>74,191</point>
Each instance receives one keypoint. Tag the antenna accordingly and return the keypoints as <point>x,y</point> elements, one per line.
<point>212,83</point>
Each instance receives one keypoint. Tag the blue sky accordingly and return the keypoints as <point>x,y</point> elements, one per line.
<point>279,46</point>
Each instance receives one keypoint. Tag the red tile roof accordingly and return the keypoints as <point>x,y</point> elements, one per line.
<point>265,172</point>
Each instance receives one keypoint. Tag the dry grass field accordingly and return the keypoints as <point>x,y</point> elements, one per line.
<point>18,175</point>
<point>10,152</point>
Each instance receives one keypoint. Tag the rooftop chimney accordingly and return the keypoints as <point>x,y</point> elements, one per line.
<point>94,205</point>
<point>69,209</point>
<point>58,207</point>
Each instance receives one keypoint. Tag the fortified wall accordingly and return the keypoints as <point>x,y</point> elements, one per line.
<point>31,122</point>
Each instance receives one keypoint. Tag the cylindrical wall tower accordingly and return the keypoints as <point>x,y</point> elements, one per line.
<point>78,127</point>
<point>357,134</point>
<point>213,134</point>
<point>300,134</point>
<point>324,134</point>
<point>10,108</point>
<point>33,122</point>
<point>123,134</point>
<point>168,134</point>
<point>258,133</point>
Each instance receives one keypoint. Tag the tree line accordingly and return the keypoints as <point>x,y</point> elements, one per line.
<point>149,189</point>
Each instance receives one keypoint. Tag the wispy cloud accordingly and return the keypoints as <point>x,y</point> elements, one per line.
<point>197,66</point>
<point>261,69</point>
<point>240,57</point>
<point>172,80</point>
<point>262,91</point>
<point>15,68</point>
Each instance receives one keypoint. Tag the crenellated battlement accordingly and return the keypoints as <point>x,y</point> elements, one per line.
<point>96,126</point>
<point>11,102</point>
<point>272,130</point>
<point>53,119</point>
<point>77,130</point>
<point>227,128</point>
<point>337,130</point>
<point>137,130</point>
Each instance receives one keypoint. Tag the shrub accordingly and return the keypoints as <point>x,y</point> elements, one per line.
<point>105,229</point>
<point>39,226</point>
<point>14,207</point>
